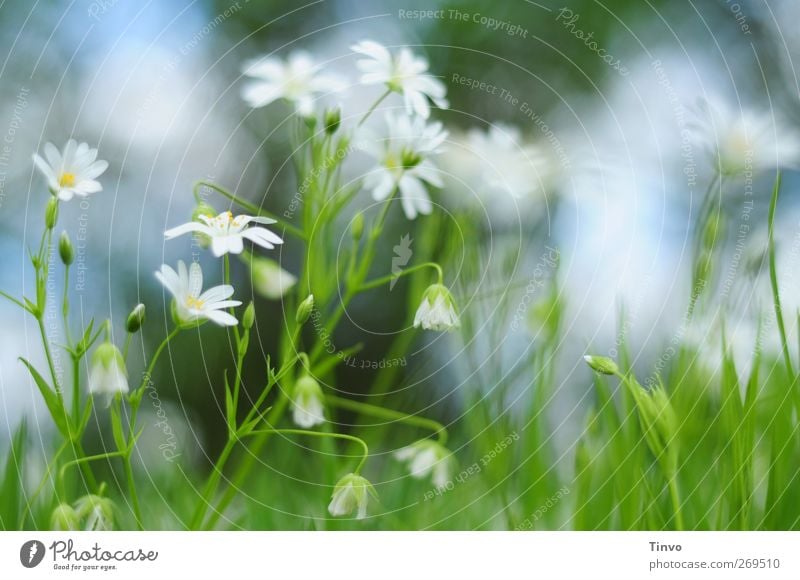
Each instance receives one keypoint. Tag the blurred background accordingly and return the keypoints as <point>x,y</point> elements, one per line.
<point>155,86</point>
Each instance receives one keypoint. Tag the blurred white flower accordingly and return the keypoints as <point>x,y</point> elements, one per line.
<point>307,402</point>
<point>297,80</point>
<point>269,279</point>
<point>191,303</point>
<point>404,162</point>
<point>73,172</point>
<point>740,140</point>
<point>351,493</point>
<point>428,458</point>
<point>97,511</point>
<point>437,310</point>
<point>227,233</point>
<point>107,374</point>
<point>509,165</point>
<point>402,73</point>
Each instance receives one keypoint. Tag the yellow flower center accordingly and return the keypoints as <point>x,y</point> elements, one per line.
<point>194,302</point>
<point>67,180</point>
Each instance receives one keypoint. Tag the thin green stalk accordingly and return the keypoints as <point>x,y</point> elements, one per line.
<point>211,484</point>
<point>137,512</point>
<point>773,278</point>
<point>675,497</point>
<point>438,429</point>
<point>352,438</point>
<point>388,278</point>
<point>374,106</point>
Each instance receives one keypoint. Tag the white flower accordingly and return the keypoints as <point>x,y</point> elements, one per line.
<point>437,310</point>
<point>402,73</point>
<point>426,458</point>
<point>297,80</point>
<point>351,493</point>
<point>404,163</point>
<point>741,140</point>
<point>509,165</point>
<point>227,233</point>
<point>269,279</point>
<point>191,303</point>
<point>72,173</point>
<point>307,402</point>
<point>107,374</point>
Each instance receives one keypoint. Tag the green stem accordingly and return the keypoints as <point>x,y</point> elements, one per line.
<point>82,461</point>
<point>352,438</point>
<point>773,277</point>
<point>156,354</point>
<point>438,429</point>
<point>226,261</point>
<point>211,485</point>
<point>137,512</point>
<point>252,208</point>
<point>373,107</point>
<point>388,278</point>
<point>675,497</point>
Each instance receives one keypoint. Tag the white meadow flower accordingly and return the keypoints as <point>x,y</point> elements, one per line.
<point>402,73</point>
<point>191,303</point>
<point>227,233</point>
<point>307,402</point>
<point>297,80</point>
<point>64,519</point>
<point>437,311</point>
<point>351,494</point>
<point>404,162</point>
<point>741,140</point>
<point>73,172</point>
<point>428,458</point>
<point>269,279</point>
<point>107,374</point>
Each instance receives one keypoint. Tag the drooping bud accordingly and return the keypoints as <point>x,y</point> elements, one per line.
<point>65,249</point>
<point>107,373</point>
<point>351,494</point>
<point>307,402</point>
<point>437,311</point>
<point>135,319</point>
<point>269,279</point>
<point>65,519</point>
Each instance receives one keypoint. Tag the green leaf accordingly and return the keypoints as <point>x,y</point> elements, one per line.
<point>52,401</point>
<point>11,488</point>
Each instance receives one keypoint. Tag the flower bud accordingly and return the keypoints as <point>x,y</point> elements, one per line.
<point>97,511</point>
<point>107,373</point>
<point>64,519</point>
<point>65,249</point>
<point>269,279</point>
<point>437,311</point>
<point>602,364</point>
<point>51,213</point>
<point>333,118</point>
<point>308,402</point>
<point>358,226</point>
<point>351,494</point>
<point>135,319</point>
<point>249,316</point>
<point>304,310</point>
